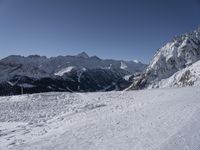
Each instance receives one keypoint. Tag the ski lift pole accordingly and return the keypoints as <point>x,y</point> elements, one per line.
<point>22,90</point>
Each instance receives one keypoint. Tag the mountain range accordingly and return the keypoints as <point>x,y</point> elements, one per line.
<point>80,73</point>
<point>176,64</point>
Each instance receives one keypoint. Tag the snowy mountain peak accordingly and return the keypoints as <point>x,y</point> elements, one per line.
<point>34,56</point>
<point>12,57</point>
<point>83,55</point>
<point>175,55</point>
<point>95,57</point>
<point>136,61</point>
<point>171,63</point>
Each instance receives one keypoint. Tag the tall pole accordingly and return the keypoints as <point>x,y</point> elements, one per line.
<point>22,90</point>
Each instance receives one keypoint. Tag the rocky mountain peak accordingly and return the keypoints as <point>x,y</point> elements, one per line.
<point>169,61</point>
<point>175,55</point>
<point>83,55</point>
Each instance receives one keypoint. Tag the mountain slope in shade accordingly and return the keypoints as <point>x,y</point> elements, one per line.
<point>64,73</point>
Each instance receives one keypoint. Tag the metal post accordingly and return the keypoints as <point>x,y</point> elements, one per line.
<point>22,90</point>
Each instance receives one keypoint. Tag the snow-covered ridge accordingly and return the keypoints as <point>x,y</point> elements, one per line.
<point>38,66</point>
<point>83,55</point>
<point>64,73</point>
<point>170,62</point>
<point>189,76</point>
<point>156,119</point>
<point>181,52</point>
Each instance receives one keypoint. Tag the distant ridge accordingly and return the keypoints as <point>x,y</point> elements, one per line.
<point>80,73</point>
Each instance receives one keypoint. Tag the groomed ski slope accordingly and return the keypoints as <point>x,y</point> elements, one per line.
<point>159,119</point>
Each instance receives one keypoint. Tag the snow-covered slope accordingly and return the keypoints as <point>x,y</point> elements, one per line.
<point>37,66</point>
<point>181,52</point>
<point>167,63</point>
<point>63,71</point>
<point>159,119</point>
<point>189,76</point>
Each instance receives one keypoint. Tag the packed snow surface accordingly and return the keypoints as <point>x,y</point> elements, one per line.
<point>157,119</point>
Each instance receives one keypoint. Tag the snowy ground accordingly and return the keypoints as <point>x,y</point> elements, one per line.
<point>159,119</point>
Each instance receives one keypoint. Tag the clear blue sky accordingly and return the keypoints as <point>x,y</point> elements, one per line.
<point>120,29</point>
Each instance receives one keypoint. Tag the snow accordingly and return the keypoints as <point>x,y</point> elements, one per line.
<point>161,119</point>
<point>11,84</point>
<point>84,69</point>
<point>110,67</point>
<point>136,61</point>
<point>191,76</point>
<point>25,85</point>
<point>127,77</point>
<point>63,71</point>
<point>182,51</point>
<point>79,74</point>
<point>41,67</point>
<point>123,65</point>
<point>170,66</point>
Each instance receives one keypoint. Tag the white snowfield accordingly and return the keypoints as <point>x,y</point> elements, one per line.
<point>63,71</point>
<point>157,119</point>
<point>187,76</point>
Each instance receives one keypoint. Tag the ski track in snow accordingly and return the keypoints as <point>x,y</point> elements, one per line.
<point>158,119</point>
